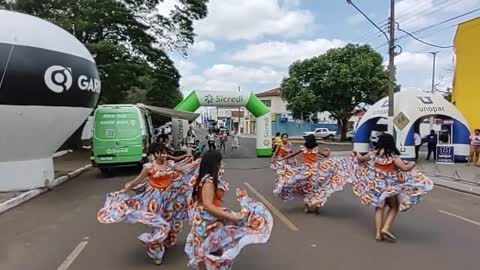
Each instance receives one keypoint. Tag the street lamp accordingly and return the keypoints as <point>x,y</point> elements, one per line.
<point>391,54</point>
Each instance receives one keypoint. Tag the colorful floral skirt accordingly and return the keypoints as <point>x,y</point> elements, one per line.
<point>374,186</point>
<point>216,243</point>
<point>315,182</point>
<point>146,208</point>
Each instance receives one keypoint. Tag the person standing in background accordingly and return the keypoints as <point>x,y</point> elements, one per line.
<point>190,136</point>
<point>474,148</point>
<point>432,145</point>
<point>418,143</point>
<point>277,140</point>
<point>223,140</point>
<point>211,140</point>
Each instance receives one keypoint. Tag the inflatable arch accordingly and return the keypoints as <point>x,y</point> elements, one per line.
<point>236,99</point>
<point>414,106</point>
<point>49,87</point>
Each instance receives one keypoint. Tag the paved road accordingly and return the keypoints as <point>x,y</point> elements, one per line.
<point>443,233</point>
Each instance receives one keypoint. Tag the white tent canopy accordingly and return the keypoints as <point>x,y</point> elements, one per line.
<point>410,107</point>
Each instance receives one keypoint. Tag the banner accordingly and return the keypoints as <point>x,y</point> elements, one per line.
<point>445,154</point>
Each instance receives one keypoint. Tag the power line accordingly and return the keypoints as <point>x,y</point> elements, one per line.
<point>412,14</point>
<point>424,42</point>
<point>445,21</point>
<point>435,25</point>
<point>437,8</point>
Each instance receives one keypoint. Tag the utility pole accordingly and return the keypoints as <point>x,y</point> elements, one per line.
<point>434,54</point>
<point>391,67</point>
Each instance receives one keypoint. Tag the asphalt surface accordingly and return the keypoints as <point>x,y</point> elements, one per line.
<point>59,230</point>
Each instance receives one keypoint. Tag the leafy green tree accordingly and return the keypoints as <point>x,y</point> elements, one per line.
<point>337,82</point>
<point>128,40</point>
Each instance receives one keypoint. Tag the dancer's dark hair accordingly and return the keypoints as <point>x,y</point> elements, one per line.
<point>284,135</point>
<point>210,165</point>
<point>386,144</point>
<point>157,148</point>
<point>310,141</point>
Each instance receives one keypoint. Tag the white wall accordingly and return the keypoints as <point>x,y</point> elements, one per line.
<point>277,104</point>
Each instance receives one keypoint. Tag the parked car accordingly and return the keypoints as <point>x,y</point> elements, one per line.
<point>322,133</point>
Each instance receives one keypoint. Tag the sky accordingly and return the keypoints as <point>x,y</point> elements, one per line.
<point>251,43</point>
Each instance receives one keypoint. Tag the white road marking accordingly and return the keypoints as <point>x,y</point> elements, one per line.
<point>272,208</point>
<point>69,260</point>
<point>460,217</point>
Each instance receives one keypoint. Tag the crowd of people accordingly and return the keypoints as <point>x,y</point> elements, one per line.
<point>173,190</point>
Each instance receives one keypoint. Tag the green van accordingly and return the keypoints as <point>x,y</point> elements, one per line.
<point>121,136</point>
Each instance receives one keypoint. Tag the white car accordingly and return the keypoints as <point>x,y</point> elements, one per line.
<point>322,133</point>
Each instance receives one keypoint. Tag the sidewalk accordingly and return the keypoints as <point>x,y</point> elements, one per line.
<point>458,176</point>
<point>66,167</point>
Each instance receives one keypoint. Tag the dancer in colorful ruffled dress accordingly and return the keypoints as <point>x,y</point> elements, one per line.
<point>283,149</point>
<point>154,207</point>
<point>381,177</point>
<point>218,234</point>
<point>315,180</point>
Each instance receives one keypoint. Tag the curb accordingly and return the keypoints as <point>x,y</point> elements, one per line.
<point>456,189</point>
<point>28,195</point>
<point>61,153</point>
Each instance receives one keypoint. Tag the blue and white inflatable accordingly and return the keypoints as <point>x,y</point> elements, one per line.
<point>414,105</point>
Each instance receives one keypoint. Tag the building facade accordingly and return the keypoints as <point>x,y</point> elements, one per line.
<point>466,88</point>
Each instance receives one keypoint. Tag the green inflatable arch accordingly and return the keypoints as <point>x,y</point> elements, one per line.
<point>236,99</point>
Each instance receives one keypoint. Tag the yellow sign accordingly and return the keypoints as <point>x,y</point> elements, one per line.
<point>401,121</point>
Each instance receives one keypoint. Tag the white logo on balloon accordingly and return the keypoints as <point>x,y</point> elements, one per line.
<point>58,78</point>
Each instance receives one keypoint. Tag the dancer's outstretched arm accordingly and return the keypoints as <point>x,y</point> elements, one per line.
<point>404,166</point>
<point>362,158</point>
<point>188,166</point>
<point>291,155</point>
<point>140,178</point>
<point>325,153</point>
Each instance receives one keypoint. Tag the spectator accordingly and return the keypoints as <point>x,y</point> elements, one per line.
<point>277,140</point>
<point>163,137</point>
<point>190,136</point>
<point>418,142</point>
<point>432,145</point>
<point>236,143</point>
<point>211,140</point>
<point>223,140</point>
<point>474,147</point>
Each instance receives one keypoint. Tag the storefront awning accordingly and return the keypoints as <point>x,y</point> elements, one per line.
<point>170,112</point>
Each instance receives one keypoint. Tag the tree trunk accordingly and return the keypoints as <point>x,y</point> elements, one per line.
<point>343,125</point>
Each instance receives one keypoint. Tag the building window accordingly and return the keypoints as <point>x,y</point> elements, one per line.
<point>268,103</point>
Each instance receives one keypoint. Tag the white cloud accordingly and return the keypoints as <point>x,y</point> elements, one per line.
<point>282,54</point>
<point>242,75</point>
<point>414,70</point>
<point>225,77</point>
<point>203,46</point>
<point>251,19</point>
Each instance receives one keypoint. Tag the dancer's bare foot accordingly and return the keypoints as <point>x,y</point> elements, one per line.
<point>386,235</point>
<point>379,237</point>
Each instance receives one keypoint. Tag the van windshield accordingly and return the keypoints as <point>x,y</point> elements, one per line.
<point>117,125</point>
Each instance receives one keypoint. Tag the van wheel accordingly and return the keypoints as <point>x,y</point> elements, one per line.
<point>106,172</point>
<point>329,137</point>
